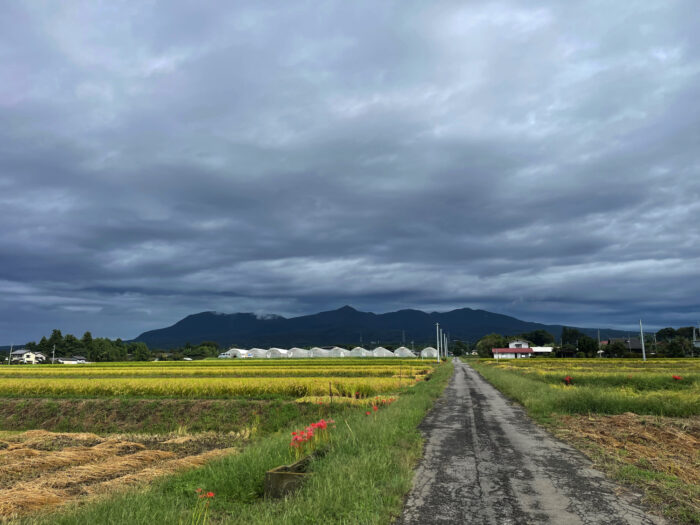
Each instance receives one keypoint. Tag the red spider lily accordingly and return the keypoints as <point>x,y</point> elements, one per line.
<point>568,380</point>
<point>210,494</point>
<point>677,378</point>
<point>375,408</point>
<point>199,490</point>
<point>368,413</point>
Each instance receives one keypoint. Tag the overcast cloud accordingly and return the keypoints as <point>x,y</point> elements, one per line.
<point>539,159</point>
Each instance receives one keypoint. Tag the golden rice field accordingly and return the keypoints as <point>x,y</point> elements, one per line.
<point>213,379</point>
<point>664,387</point>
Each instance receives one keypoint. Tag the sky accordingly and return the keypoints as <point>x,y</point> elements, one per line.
<point>539,159</point>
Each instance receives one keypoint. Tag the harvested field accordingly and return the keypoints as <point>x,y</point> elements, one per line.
<point>662,452</point>
<point>46,469</point>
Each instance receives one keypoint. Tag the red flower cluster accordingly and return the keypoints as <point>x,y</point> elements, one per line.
<point>303,436</point>
<point>568,380</point>
<point>203,494</point>
<point>677,378</point>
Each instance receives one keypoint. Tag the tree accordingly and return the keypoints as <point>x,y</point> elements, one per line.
<point>139,352</point>
<point>570,335</point>
<point>616,349</point>
<point>488,342</point>
<point>588,346</point>
<point>86,340</point>
<point>538,337</point>
<point>459,348</point>
<point>56,339</point>
<point>678,347</point>
<point>665,334</point>
<point>72,346</point>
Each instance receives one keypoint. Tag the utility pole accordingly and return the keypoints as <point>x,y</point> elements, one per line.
<point>437,336</point>
<point>53,355</point>
<point>9,356</point>
<point>641,336</point>
<point>403,337</point>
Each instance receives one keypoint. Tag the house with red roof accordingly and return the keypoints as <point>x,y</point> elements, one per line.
<point>511,353</point>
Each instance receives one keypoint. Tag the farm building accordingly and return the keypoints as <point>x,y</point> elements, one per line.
<point>511,353</point>
<point>298,353</point>
<point>74,360</point>
<point>542,350</point>
<point>518,344</point>
<point>402,351</point>
<point>380,351</point>
<point>429,352</point>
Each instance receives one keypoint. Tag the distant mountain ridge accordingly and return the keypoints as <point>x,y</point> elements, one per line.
<point>345,325</point>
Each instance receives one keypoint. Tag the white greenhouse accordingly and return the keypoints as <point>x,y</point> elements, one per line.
<point>276,353</point>
<point>380,351</point>
<point>429,353</point>
<point>257,353</point>
<point>233,353</point>
<point>297,353</point>
<point>358,351</point>
<point>336,351</point>
<point>402,351</point>
<point>319,352</point>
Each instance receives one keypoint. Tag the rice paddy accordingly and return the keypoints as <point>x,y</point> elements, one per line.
<point>46,469</point>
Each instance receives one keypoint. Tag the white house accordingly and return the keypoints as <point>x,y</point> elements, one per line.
<point>511,353</point>
<point>27,357</point>
<point>518,344</point>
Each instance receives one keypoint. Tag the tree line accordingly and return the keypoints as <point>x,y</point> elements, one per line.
<point>667,342</point>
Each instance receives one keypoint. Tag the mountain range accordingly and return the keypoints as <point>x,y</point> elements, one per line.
<point>345,325</point>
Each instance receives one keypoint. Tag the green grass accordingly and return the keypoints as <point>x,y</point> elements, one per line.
<point>151,415</point>
<point>361,480</point>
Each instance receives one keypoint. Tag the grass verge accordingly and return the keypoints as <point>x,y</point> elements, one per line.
<point>362,479</point>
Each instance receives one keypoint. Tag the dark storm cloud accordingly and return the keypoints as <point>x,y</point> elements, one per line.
<point>532,158</point>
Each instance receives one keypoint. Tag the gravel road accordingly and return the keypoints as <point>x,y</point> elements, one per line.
<point>486,462</point>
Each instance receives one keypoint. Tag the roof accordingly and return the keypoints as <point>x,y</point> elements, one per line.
<point>511,350</point>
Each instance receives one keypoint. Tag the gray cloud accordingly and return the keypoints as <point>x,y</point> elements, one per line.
<point>536,159</point>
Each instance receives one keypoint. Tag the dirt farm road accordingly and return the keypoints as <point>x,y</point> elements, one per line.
<point>486,462</point>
